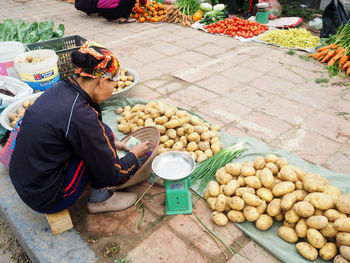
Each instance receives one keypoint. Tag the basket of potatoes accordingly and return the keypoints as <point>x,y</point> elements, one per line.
<point>127,80</point>
<point>179,130</point>
<point>16,110</point>
<point>315,214</point>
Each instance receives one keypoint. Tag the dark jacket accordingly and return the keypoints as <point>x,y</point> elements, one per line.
<point>63,123</point>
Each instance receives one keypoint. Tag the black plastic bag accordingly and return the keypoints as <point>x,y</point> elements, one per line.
<point>87,6</point>
<point>334,16</point>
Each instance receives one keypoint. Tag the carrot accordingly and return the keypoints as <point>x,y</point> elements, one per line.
<point>348,71</point>
<point>343,60</point>
<point>324,52</point>
<point>329,55</point>
<point>333,45</point>
<point>323,48</point>
<point>336,57</point>
<point>346,65</point>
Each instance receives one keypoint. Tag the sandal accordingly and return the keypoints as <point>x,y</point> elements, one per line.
<point>127,20</point>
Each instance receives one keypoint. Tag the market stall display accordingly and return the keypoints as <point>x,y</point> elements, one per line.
<point>127,80</point>
<point>152,11</point>
<point>212,14</point>
<point>180,131</point>
<point>174,15</point>
<point>294,38</point>
<point>29,33</point>
<point>269,188</point>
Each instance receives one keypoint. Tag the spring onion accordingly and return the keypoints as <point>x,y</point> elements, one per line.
<point>206,170</point>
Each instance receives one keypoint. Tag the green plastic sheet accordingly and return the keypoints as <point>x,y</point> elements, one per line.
<point>269,239</point>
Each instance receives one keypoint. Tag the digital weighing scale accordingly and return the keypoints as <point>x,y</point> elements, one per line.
<point>174,168</point>
<point>262,16</point>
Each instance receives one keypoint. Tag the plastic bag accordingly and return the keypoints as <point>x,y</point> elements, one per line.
<point>334,15</point>
<point>12,89</point>
<point>275,8</point>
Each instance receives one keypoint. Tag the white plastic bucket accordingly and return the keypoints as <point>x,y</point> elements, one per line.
<point>8,51</point>
<point>39,75</point>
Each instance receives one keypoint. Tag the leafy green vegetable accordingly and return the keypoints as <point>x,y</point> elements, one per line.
<point>319,80</point>
<point>290,52</point>
<point>29,33</point>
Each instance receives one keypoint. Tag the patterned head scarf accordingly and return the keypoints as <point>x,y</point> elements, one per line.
<point>108,67</point>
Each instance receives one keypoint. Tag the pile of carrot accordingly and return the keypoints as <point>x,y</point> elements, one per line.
<point>333,54</point>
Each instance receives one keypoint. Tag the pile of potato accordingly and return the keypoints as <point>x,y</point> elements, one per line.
<point>269,188</point>
<point>16,116</point>
<point>180,131</point>
<point>124,80</point>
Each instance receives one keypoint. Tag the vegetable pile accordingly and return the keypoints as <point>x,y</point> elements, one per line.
<point>151,12</point>
<point>124,81</point>
<point>174,15</point>
<point>29,33</point>
<point>16,116</point>
<point>337,54</point>
<point>299,38</point>
<point>187,7</point>
<point>212,14</point>
<point>236,27</point>
<point>179,130</point>
<point>315,214</point>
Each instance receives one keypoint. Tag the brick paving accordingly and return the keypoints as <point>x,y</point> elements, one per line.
<point>248,88</point>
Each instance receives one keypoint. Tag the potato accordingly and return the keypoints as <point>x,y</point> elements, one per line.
<point>253,182</point>
<point>318,212</point>
<point>299,185</point>
<point>222,187</point>
<point>317,222</point>
<point>300,194</point>
<point>204,145</point>
<point>219,218</point>
<point>345,252</point>
<point>274,207</point>
<point>288,200</point>
<point>299,172</point>
<point>231,187</point>
<point>241,190</point>
<point>178,146</point>
<point>288,174</point>
<point>262,208</point>
<point>264,222</point>
<point>169,143</point>
<point>241,181</point>
<point>251,199</point>
<point>201,157</point>
<point>236,203</point>
<point>343,203</point>
<point>291,216</point>
<point>342,224</point>
<point>222,177</point>
<point>333,191</point>
<point>312,183</point>
<point>258,173</point>
<point>289,224</point>
<point>315,238</point>
<point>236,216</point>
<point>270,158</point>
<point>191,147</point>
<point>193,137</point>
<point>205,136</point>
<point>259,163</point>
<point>320,201</point>
<point>206,194</point>
<point>272,167</point>
<point>280,162</point>
<point>266,178</point>
<point>340,259</point>
<point>214,140</point>
<point>220,203</point>
<point>307,251</point>
<point>329,231</point>
<point>301,228</point>
<point>233,169</point>
<point>211,201</point>
<point>265,194</point>
<point>216,147</point>
<point>279,217</point>
<point>328,252</point>
<point>288,234</point>
<point>251,164</point>
<point>283,188</point>
<point>247,171</point>
<point>276,181</point>
<point>213,188</point>
<point>304,209</point>
<point>250,213</point>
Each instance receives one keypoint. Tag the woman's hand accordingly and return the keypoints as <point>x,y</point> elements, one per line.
<point>121,146</point>
<point>140,149</point>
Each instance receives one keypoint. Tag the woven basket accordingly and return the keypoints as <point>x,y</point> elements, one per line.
<point>152,135</point>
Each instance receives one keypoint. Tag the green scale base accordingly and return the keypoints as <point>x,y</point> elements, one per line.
<point>262,17</point>
<point>178,198</point>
